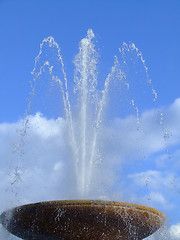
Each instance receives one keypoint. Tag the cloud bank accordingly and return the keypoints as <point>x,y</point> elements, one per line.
<point>36,165</point>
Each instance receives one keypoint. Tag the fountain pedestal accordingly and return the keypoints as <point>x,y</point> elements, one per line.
<point>83,220</point>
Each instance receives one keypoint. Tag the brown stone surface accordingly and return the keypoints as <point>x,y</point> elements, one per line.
<point>83,220</point>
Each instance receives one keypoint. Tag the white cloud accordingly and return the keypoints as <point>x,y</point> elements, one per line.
<point>158,129</point>
<point>155,189</point>
<point>175,231</point>
<point>154,179</point>
<point>159,199</point>
<point>42,168</point>
<point>35,170</point>
<point>44,128</point>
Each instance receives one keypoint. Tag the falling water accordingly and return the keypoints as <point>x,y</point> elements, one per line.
<point>84,128</point>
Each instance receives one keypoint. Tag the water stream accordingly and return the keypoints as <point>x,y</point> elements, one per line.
<point>85,128</point>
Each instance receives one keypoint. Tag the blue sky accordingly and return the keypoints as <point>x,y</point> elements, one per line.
<point>154,28</point>
<point>152,25</point>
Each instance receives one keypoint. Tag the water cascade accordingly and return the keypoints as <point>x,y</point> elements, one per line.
<point>83,219</point>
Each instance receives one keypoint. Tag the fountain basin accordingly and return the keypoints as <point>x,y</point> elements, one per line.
<point>83,220</point>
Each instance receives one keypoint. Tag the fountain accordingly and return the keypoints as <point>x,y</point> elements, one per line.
<point>82,219</point>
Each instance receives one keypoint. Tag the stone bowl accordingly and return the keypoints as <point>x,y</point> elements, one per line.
<point>83,220</point>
